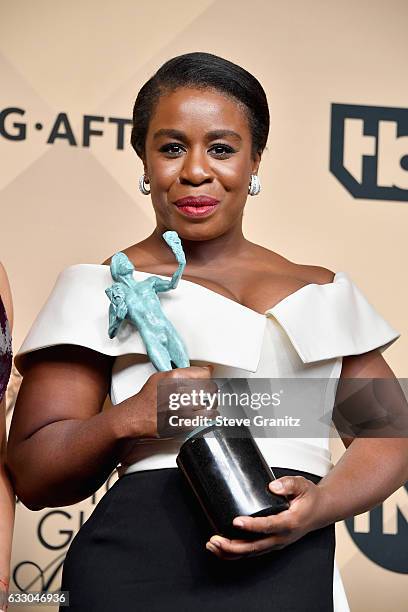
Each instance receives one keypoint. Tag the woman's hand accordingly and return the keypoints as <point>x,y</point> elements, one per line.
<point>305,513</point>
<point>148,412</point>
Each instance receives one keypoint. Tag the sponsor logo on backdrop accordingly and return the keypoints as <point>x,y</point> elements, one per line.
<point>369,150</point>
<point>382,533</point>
<point>16,126</point>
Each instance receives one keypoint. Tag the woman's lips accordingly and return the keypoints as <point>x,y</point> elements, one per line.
<point>199,206</point>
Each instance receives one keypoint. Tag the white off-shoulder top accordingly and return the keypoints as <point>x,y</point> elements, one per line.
<point>304,335</point>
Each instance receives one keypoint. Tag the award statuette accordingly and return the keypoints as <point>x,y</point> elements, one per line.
<point>223,465</point>
<point>138,303</point>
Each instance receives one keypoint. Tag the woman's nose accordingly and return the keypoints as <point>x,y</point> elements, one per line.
<point>196,168</point>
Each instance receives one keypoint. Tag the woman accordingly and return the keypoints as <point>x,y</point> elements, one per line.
<point>6,493</point>
<point>200,126</point>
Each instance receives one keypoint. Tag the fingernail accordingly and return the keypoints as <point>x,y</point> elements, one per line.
<point>210,547</point>
<point>277,485</point>
<point>216,543</point>
<point>238,523</point>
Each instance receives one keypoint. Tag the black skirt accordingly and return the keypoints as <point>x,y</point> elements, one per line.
<point>143,549</point>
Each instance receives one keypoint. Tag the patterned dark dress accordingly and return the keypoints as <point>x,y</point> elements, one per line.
<point>6,354</point>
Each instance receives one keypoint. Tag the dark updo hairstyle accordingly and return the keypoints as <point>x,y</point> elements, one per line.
<point>202,71</point>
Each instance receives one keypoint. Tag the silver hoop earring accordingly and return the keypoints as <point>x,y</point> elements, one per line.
<point>142,185</point>
<point>254,185</point>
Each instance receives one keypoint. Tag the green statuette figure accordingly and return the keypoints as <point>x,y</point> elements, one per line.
<point>138,303</point>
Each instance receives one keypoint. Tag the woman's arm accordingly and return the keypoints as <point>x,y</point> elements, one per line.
<point>372,468</point>
<point>7,499</point>
<point>62,445</point>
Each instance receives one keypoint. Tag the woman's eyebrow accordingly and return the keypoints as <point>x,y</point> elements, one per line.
<point>179,135</point>
<point>214,134</point>
<point>170,133</point>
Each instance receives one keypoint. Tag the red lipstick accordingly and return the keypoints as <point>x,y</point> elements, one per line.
<point>198,206</point>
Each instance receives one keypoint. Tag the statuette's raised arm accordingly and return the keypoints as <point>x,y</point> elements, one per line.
<point>174,243</point>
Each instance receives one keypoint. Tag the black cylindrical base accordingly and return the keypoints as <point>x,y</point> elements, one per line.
<point>230,477</point>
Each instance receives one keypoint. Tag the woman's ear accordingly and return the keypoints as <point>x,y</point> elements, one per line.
<point>145,171</point>
<point>255,163</point>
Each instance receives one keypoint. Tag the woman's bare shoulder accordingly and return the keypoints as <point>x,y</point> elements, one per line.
<point>316,274</point>
<point>137,253</point>
<point>277,264</point>
<point>4,282</point>
<point>5,293</point>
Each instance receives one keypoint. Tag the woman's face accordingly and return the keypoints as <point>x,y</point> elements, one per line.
<point>199,144</point>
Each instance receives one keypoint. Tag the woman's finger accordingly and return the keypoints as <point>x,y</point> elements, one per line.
<point>281,523</point>
<point>290,485</point>
<point>219,552</point>
<point>234,548</point>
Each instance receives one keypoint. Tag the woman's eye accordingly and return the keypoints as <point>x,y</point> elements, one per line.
<point>172,149</point>
<point>221,150</point>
